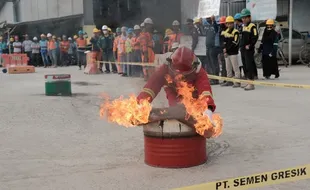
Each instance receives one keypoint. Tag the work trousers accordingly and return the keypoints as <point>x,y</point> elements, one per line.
<point>232,66</point>
<point>211,62</point>
<point>81,58</point>
<point>64,58</point>
<point>127,69</point>
<point>44,58</point>
<point>28,53</point>
<point>137,69</point>
<point>53,56</point>
<point>250,64</point>
<point>35,58</point>
<point>108,56</point>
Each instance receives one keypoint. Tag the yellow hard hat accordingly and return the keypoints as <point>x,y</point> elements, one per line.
<point>197,20</point>
<point>11,39</point>
<point>109,29</point>
<point>75,37</point>
<point>230,19</point>
<point>270,22</point>
<point>168,31</point>
<point>1,38</point>
<point>54,37</point>
<point>95,30</point>
<point>42,35</point>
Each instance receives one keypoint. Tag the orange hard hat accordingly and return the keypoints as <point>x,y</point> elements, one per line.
<point>182,60</point>
<point>222,20</point>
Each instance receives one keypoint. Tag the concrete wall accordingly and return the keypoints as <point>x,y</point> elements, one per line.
<point>6,13</point>
<point>31,10</point>
<point>301,15</point>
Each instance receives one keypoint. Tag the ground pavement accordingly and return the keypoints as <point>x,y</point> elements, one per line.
<point>58,143</point>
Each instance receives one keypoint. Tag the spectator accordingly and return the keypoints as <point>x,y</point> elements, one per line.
<point>199,27</point>
<point>211,62</point>
<point>105,44</point>
<point>52,49</point>
<point>135,42</point>
<point>81,48</point>
<point>231,49</point>
<point>269,48</point>
<point>27,47</point>
<point>239,26</point>
<point>193,33</point>
<point>72,51</point>
<point>122,50</point>
<point>220,43</point>
<point>10,45</point>
<point>249,39</point>
<point>168,32</point>
<point>35,48</point>
<point>129,53</point>
<point>147,46</point>
<point>176,35</point>
<point>95,47</point>
<point>3,47</point>
<point>43,50</point>
<point>115,49</point>
<point>158,42</point>
<point>64,47</point>
<point>17,45</point>
<point>58,41</point>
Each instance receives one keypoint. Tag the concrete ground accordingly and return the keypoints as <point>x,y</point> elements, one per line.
<point>60,143</point>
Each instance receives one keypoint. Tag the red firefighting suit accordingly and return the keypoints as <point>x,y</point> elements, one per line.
<point>183,61</point>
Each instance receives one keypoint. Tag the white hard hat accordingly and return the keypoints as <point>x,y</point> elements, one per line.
<point>175,23</point>
<point>142,24</point>
<point>49,35</point>
<point>69,38</point>
<point>148,21</point>
<point>136,27</point>
<point>35,38</point>
<point>105,27</point>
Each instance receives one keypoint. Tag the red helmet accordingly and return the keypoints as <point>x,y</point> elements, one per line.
<point>222,20</point>
<point>183,61</point>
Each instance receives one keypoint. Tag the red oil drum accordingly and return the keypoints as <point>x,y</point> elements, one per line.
<point>171,144</point>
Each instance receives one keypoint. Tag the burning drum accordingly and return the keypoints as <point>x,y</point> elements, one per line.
<point>172,144</point>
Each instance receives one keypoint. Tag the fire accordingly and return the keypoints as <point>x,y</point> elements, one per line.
<point>195,108</point>
<point>126,112</point>
<point>129,113</point>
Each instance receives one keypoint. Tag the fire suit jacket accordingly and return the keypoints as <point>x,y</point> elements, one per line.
<point>157,81</point>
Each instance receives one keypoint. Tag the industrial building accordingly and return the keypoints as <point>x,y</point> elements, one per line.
<point>68,16</point>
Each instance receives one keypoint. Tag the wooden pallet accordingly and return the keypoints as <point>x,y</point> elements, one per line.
<point>21,69</point>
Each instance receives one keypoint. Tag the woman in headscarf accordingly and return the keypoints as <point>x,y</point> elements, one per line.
<point>269,48</point>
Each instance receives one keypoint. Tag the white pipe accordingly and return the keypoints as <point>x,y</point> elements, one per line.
<point>290,33</point>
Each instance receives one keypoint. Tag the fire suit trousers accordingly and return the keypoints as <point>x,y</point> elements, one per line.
<point>250,64</point>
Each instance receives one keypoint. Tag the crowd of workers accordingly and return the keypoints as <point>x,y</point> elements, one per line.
<point>230,47</point>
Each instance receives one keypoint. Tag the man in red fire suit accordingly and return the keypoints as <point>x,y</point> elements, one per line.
<point>182,62</point>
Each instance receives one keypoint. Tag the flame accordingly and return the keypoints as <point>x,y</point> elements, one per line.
<point>196,108</point>
<point>126,112</point>
<point>129,113</point>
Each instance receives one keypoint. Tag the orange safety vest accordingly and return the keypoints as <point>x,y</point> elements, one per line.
<point>147,45</point>
<point>51,44</point>
<point>81,43</point>
<point>64,46</point>
<point>175,37</point>
<point>121,48</point>
<point>135,43</point>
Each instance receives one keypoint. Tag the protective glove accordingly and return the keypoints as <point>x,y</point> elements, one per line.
<point>209,113</point>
